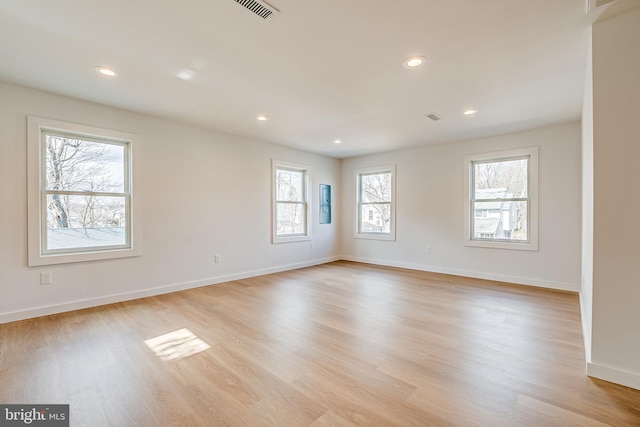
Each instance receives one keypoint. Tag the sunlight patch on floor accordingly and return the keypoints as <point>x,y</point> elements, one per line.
<point>176,345</point>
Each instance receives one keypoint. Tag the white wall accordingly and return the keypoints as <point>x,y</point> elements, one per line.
<point>615,354</point>
<point>430,211</point>
<point>203,193</point>
<point>586,288</point>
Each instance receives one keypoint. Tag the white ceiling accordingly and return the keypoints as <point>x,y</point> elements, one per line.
<point>320,70</point>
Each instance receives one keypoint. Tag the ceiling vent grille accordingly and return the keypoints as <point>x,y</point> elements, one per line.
<point>434,117</point>
<point>258,7</point>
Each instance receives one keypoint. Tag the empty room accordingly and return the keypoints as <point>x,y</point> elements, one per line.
<point>319,213</point>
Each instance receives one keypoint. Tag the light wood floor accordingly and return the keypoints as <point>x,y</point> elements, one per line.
<point>334,345</point>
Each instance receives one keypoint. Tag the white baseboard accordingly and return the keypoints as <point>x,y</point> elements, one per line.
<point>563,286</point>
<point>128,296</point>
<point>594,370</point>
<point>628,379</point>
<point>585,321</point>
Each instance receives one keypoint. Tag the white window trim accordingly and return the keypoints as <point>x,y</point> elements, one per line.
<point>532,244</point>
<point>391,236</point>
<point>35,219</point>
<point>275,238</point>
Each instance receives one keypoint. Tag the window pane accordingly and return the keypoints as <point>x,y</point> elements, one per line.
<point>500,179</point>
<point>85,221</point>
<point>375,187</point>
<point>289,185</point>
<point>500,220</point>
<point>290,219</point>
<point>78,165</point>
<point>375,218</point>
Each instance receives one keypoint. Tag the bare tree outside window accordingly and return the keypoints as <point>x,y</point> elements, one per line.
<point>85,188</point>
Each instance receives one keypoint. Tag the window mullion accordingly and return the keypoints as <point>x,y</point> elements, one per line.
<point>519,199</point>
<point>85,193</point>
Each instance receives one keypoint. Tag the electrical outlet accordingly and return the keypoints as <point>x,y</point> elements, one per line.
<point>428,250</point>
<point>46,278</point>
<point>311,245</point>
<point>216,258</point>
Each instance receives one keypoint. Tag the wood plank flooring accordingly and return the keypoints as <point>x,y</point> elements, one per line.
<point>339,344</point>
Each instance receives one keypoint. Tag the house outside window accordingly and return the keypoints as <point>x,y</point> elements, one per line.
<point>501,199</point>
<point>290,202</point>
<point>375,210</point>
<point>80,193</point>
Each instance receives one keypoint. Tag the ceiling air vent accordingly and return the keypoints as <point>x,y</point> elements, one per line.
<point>433,116</point>
<point>258,7</point>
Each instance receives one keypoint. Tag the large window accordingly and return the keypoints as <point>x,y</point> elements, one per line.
<point>290,202</point>
<point>80,193</point>
<point>375,213</point>
<point>501,199</point>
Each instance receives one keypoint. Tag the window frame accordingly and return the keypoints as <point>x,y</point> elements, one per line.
<point>358,234</point>
<point>38,254</point>
<point>305,203</point>
<point>531,153</point>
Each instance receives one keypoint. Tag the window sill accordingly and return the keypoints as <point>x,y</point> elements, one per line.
<point>373,236</point>
<point>291,239</point>
<point>518,246</point>
<point>53,259</point>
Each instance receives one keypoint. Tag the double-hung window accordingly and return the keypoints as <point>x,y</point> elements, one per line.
<point>501,199</point>
<point>290,202</point>
<point>80,193</point>
<point>375,210</point>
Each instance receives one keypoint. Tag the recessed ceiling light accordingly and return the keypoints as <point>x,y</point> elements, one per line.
<point>470,112</point>
<point>106,71</point>
<point>262,118</point>
<point>185,74</point>
<point>337,141</point>
<point>414,61</point>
